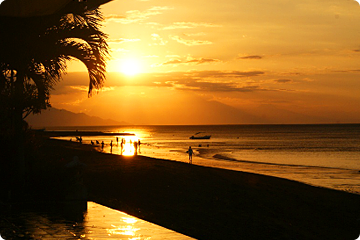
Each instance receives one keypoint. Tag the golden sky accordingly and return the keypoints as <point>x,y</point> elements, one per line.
<point>230,61</point>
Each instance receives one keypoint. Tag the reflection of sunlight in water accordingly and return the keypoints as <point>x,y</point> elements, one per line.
<point>129,145</point>
<point>105,223</point>
<point>129,220</point>
<point>123,230</point>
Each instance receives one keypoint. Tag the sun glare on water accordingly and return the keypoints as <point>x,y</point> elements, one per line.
<point>129,146</point>
<point>130,67</point>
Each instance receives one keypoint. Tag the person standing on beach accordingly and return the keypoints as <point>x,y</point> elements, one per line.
<point>139,145</point>
<point>190,151</point>
<point>135,147</point>
<point>102,145</point>
<point>122,145</point>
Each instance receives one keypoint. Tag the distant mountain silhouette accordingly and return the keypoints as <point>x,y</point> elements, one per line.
<point>60,117</point>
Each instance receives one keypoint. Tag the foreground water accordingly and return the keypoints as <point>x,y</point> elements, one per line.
<point>321,155</point>
<point>93,222</point>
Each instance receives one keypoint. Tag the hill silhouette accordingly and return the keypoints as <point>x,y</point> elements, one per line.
<point>60,117</point>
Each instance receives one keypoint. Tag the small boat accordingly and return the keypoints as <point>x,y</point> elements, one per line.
<point>200,137</point>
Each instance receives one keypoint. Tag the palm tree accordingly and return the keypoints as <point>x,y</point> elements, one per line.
<point>34,51</point>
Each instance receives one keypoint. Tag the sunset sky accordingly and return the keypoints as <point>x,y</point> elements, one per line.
<point>224,62</point>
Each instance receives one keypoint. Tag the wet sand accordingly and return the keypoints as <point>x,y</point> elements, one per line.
<point>211,203</point>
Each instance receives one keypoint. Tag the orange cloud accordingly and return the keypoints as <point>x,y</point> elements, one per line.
<point>283,80</point>
<point>134,16</point>
<point>196,61</point>
<point>121,40</point>
<point>251,57</point>
<point>190,42</point>
<point>206,81</point>
<point>187,25</point>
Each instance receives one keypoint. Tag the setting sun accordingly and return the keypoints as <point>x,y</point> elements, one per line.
<point>130,67</point>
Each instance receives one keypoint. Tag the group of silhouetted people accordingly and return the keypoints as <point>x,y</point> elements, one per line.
<point>79,139</point>
<point>98,143</point>
<point>134,144</point>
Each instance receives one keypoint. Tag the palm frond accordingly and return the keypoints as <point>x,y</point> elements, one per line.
<point>96,67</point>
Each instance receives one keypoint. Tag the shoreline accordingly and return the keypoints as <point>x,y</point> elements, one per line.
<point>212,203</point>
<point>342,179</point>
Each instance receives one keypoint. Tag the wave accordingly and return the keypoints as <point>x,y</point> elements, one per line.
<point>225,158</point>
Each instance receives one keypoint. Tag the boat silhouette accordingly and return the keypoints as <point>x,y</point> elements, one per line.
<point>196,136</point>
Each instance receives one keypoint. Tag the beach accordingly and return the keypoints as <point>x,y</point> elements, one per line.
<point>210,203</point>
<point>319,155</point>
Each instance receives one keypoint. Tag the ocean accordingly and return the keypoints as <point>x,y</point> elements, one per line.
<point>326,155</point>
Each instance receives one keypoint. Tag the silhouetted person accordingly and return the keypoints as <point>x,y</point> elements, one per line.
<point>111,146</point>
<point>92,143</point>
<point>139,145</point>
<point>190,151</point>
<point>135,147</point>
<point>117,141</point>
<point>102,145</point>
<point>122,145</point>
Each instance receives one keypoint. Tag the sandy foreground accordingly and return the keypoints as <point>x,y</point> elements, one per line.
<point>211,203</point>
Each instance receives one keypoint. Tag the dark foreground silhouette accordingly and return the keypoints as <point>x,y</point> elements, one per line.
<point>209,203</point>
